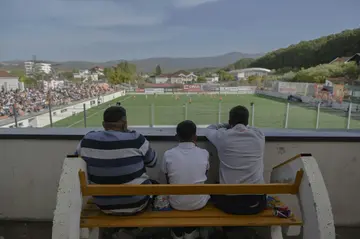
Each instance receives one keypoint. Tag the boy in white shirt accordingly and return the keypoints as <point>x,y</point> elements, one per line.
<point>186,164</point>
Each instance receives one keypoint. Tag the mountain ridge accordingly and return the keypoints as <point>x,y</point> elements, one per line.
<point>147,65</point>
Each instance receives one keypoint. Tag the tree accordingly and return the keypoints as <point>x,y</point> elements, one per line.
<point>351,70</point>
<point>243,63</point>
<point>158,70</point>
<point>255,80</point>
<point>28,81</point>
<point>225,76</point>
<point>201,79</point>
<point>124,72</point>
<point>68,75</point>
<point>311,53</point>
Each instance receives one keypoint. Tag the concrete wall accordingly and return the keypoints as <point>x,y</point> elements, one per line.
<point>30,171</point>
<point>9,83</point>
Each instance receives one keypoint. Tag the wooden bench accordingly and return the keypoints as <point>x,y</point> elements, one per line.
<point>92,217</point>
<point>76,217</point>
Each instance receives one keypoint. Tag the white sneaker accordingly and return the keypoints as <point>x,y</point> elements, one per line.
<point>175,237</point>
<point>195,234</point>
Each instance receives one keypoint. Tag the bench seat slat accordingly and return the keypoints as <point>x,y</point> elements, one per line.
<point>208,216</point>
<point>108,221</point>
<point>208,211</point>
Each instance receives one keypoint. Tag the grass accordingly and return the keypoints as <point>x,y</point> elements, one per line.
<point>203,110</point>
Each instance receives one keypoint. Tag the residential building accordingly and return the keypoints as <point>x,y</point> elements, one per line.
<point>183,77</point>
<point>244,74</point>
<point>32,67</point>
<point>179,77</point>
<point>355,58</point>
<point>213,78</point>
<point>160,79</point>
<point>82,74</point>
<point>29,67</point>
<point>9,82</point>
<point>89,75</point>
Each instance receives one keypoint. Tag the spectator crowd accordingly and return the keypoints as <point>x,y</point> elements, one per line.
<point>35,100</point>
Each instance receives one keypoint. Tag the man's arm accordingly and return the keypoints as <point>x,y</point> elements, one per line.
<point>150,157</point>
<point>164,169</point>
<point>77,152</point>
<point>214,132</point>
<point>208,162</point>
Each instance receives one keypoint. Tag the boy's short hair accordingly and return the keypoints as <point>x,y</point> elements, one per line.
<point>186,130</point>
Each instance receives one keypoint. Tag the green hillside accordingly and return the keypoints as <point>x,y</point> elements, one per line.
<point>311,53</point>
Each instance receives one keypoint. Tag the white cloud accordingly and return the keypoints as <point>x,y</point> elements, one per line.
<point>99,13</point>
<point>191,3</point>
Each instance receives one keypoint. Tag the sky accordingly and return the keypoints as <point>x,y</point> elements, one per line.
<point>103,30</point>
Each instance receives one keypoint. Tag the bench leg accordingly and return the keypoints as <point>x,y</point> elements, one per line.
<point>90,233</point>
<point>276,232</point>
<point>292,230</point>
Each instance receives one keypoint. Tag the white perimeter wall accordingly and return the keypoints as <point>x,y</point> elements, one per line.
<point>310,100</point>
<point>30,171</point>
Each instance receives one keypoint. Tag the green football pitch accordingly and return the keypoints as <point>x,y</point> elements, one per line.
<point>204,110</point>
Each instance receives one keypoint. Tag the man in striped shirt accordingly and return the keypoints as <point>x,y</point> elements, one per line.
<point>117,156</point>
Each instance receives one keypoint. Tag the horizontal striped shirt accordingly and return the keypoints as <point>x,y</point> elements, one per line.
<point>115,157</point>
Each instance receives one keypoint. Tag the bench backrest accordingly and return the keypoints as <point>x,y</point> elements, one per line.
<point>192,189</point>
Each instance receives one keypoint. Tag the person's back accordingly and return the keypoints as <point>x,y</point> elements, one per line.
<point>186,164</point>
<point>241,150</point>
<point>117,156</point>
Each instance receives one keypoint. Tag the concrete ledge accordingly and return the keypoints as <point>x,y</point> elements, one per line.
<point>313,198</point>
<point>159,133</point>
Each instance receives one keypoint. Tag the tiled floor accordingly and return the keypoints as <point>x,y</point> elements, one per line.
<point>42,230</point>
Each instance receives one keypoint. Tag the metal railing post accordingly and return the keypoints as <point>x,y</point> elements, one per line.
<point>349,116</point>
<point>219,113</point>
<point>317,116</point>
<point>84,106</point>
<point>50,115</point>
<point>185,111</point>
<point>15,116</point>
<point>253,114</point>
<point>152,115</point>
<point>287,115</point>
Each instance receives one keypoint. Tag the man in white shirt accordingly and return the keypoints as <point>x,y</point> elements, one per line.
<point>240,150</point>
<point>186,164</point>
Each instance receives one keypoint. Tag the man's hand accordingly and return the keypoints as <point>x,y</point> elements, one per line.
<point>219,126</point>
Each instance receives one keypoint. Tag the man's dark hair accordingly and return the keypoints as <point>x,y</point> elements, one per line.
<point>186,130</point>
<point>239,115</point>
<point>114,114</point>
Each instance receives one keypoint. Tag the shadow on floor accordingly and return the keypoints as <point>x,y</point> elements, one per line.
<point>42,230</point>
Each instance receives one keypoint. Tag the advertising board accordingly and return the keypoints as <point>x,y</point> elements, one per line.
<point>239,89</point>
<point>154,90</point>
<point>286,88</point>
<point>168,90</point>
<point>192,88</point>
<point>138,90</point>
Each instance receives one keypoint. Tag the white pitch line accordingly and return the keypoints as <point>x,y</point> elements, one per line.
<point>97,112</point>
